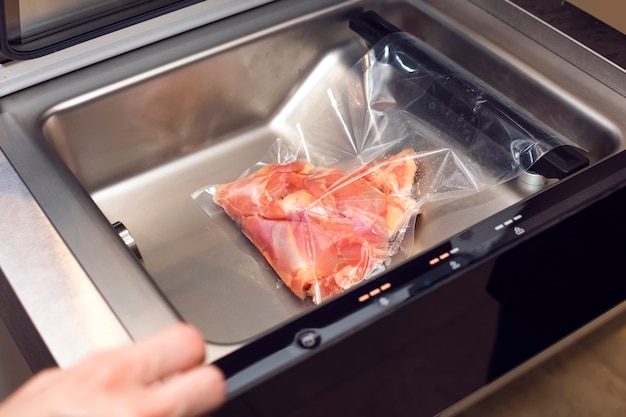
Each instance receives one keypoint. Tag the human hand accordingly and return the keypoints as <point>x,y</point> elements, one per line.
<point>161,376</point>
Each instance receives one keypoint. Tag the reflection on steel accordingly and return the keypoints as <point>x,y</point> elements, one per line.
<point>128,239</point>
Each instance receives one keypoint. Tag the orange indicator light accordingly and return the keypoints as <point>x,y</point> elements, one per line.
<point>385,287</point>
<point>374,292</point>
<point>364,297</point>
<point>434,261</point>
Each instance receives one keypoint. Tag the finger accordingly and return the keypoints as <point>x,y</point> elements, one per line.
<point>196,392</point>
<point>173,350</point>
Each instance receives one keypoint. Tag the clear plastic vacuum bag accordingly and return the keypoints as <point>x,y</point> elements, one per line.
<point>337,194</point>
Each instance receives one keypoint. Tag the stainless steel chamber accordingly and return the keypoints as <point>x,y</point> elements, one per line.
<point>128,139</point>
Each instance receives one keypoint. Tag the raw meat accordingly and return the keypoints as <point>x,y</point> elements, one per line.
<point>321,229</point>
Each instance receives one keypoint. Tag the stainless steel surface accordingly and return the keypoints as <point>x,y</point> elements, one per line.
<point>52,275</point>
<point>13,368</point>
<point>57,288</point>
<point>129,139</point>
<point>15,76</point>
<point>141,147</point>
<point>573,51</point>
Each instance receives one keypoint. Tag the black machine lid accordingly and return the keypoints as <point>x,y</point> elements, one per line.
<point>33,28</point>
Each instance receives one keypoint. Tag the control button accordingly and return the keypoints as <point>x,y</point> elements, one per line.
<point>309,339</point>
<point>455,265</point>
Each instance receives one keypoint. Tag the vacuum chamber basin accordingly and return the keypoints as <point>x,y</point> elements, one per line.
<point>141,145</point>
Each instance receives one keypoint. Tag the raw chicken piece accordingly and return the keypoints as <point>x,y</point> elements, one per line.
<point>321,229</point>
